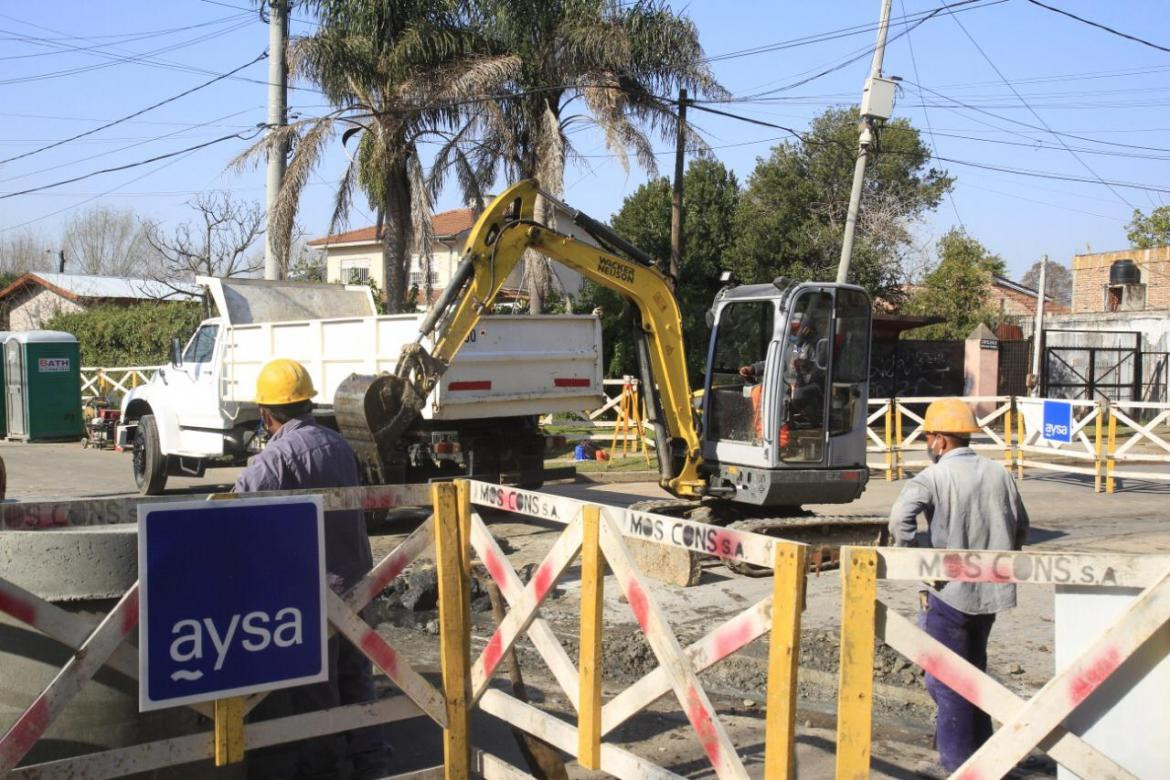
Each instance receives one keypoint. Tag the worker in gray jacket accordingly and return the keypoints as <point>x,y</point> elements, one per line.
<point>302,454</point>
<point>970,503</point>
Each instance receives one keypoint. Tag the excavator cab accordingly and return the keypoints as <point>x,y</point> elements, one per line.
<point>784,407</point>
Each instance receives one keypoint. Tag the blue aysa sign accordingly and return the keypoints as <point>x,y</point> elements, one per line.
<point>1058,422</point>
<point>232,598</point>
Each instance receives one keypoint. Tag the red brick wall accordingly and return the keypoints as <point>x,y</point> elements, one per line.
<point>1010,301</point>
<point>1091,277</point>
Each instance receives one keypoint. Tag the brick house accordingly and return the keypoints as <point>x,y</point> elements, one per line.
<point>1093,293</point>
<point>356,256</point>
<point>1013,298</point>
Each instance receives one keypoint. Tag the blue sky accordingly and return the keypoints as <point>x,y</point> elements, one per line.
<point>66,67</point>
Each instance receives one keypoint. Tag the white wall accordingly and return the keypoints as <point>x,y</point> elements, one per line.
<point>34,311</point>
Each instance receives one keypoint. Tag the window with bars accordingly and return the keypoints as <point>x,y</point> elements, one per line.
<point>355,273</point>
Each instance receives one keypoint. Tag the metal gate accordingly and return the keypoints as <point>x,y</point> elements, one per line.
<point>1014,365</point>
<point>1097,364</point>
<point>1155,377</point>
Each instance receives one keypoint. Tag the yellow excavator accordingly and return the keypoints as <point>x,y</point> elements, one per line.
<point>782,419</point>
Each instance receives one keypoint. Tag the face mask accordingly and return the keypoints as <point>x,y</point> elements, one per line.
<point>934,456</point>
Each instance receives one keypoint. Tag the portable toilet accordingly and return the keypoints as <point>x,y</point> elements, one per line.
<point>42,381</point>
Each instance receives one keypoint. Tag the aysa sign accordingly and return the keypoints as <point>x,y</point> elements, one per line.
<point>1057,421</point>
<point>232,598</point>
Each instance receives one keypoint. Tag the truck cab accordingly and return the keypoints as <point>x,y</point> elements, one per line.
<point>784,402</point>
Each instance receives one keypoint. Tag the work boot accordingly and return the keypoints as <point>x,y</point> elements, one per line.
<point>931,769</point>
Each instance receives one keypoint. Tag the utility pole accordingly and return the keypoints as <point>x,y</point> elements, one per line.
<point>877,103</point>
<point>676,202</point>
<point>1038,329</point>
<point>277,119</point>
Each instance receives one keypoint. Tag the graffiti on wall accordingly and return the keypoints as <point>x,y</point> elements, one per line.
<point>916,368</point>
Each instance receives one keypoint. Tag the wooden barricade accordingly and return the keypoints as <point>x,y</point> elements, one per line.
<point>1136,433</point>
<point>880,412</point>
<point>1087,446</point>
<point>1026,724</point>
<point>598,535</point>
<point>104,645</point>
<point>120,380</point>
<point>993,414</point>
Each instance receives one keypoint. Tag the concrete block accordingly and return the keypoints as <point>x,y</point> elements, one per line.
<point>72,564</point>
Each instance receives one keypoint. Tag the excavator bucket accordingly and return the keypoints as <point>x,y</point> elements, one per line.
<point>373,412</point>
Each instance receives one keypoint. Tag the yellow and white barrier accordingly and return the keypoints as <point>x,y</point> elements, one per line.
<point>1137,433</point>
<point>1034,451</point>
<point>1027,724</point>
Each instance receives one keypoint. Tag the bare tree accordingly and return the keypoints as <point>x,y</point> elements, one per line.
<point>1057,279</point>
<point>216,243</point>
<point>25,251</point>
<point>108,242</point>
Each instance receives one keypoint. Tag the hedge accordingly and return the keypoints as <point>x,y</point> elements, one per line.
<point>138,335</point>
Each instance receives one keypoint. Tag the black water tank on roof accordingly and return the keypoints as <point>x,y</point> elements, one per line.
<point>1124,272</point>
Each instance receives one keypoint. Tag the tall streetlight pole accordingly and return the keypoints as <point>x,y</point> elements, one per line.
<point>277,119</point>
<point>877,103</point>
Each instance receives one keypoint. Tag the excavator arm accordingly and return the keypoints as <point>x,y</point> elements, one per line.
<point>497,243</point>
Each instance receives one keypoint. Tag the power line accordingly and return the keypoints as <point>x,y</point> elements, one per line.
<point>122,39</point>
<point>127,166</point>
<point>869,50</point>
<point>137,142</point>
<point>1100,26</point>
<point>1032,111</point>
<point>140,112</point>
<point>1031,126</point>
<point>114,58</point>
<point>929,128</point>
<point>95,197</point>
<point>822,37</point>
<point>986,166</point>
<point>145,58</point>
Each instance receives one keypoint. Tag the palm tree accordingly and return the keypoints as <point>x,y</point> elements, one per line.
<point>395,71</point>
<point>618,59</point>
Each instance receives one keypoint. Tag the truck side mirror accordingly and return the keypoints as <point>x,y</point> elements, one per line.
<point>176,352</point>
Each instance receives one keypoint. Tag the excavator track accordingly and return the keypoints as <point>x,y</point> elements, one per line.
<point>825,534</point>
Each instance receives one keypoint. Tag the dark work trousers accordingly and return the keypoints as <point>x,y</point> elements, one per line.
<point>961,727</point>
<point>309,759</point>
<point>368,748</point>
<point>360,754</point>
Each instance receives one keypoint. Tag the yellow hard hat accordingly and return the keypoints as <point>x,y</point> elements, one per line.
<point>949,415</point>
<point>283,381</point>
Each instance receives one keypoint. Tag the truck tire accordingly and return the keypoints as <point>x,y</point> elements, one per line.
<point>150,465</point>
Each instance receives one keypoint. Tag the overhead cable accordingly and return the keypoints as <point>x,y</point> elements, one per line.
<point>1100,26</point>
<point>140,112</point>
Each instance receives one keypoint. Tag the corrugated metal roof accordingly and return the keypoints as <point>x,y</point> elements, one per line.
<point>86,286</point>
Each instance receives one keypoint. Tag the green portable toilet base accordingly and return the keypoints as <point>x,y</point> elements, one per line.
<point>42,383</point>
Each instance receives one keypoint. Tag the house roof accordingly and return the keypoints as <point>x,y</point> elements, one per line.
<point>446,224</point>
<point>77,287</point>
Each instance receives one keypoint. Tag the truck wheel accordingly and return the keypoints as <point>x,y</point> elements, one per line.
<point>150,465</point>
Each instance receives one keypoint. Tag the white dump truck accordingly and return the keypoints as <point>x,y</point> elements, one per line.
<point>481,419</point>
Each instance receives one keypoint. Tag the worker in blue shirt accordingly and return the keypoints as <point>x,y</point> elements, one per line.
<point>302,454</point>
<point>970,503</point>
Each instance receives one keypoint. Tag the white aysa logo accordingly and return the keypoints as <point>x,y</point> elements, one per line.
<point>188,646</point>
